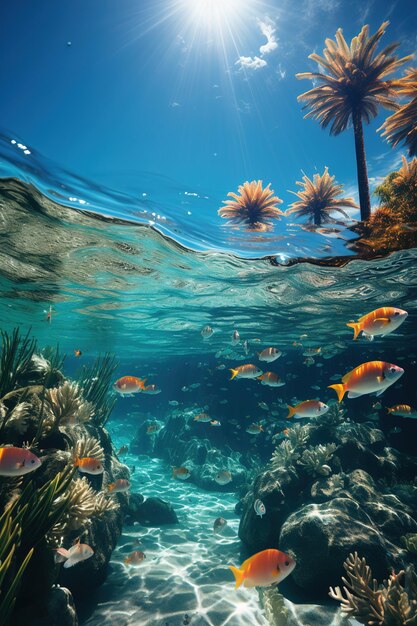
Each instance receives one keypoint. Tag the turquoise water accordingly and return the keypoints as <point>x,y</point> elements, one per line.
<point>117,278</point>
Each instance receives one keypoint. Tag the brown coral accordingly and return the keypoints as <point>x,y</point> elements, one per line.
<point>390,604</point>
<point>252,208</point>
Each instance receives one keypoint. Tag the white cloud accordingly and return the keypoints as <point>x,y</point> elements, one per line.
<point>174,104</point>
<point>268,30</point>
<point>251,63</point>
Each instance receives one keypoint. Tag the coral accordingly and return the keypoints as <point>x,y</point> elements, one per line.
<point>88,447</point>
<point>298,435</point>
<point>389,604</point>
<point>15,359</point>
<point>67,405</point>
<point>274,606</point>
<point>284,455</point>
<point>253,208</point>
<point>83,503</point>
<point>315,459</point>
<point>17,418</point>
<point>94,383</point>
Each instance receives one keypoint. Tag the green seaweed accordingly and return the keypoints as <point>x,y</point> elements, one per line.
<point>94,382</point>
<point>17,351</point>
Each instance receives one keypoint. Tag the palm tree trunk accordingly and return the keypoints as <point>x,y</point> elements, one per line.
<point>363,185</point>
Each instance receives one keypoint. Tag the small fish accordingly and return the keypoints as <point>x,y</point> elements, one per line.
<point>77,553</point>
<point>195,386</point>
<point>311,351</point>
<point>17,461</point>
<point>270,379</point>
<point>304,336</point>
<point>173,402</point>
<point>135,558</point>
<point>128,385</point>
<point>254,429</point>
<point>133,469</point>
<point>259,508</point>
<point>315,387</point>
<point>263,405</point>
<point>265,568</point>
<point>371,377</point>
<point>308,408</point>
<point>223,478</point>
<point>395,431</point>
<point>224,401</point>
<point>153,429</point>
<point>89,465</point>
<point>182,473</point>
<point>379,322</point>
<point>202,417</point>
<point>245,347</point>
<point>151,390</point>
<point>235,338</point>
<point>376,405</point>
<point>403,410</point>
<point>221,366</point>
<point>123,450</point>
<point>77,353</point>
<point>207,332</point>
<point>297,344</point>
<point>269,355</point>
<point>48,314</point>
<point>246,371</point>
<point>219,524</point>
<point>215,423</point>
<point>121,485</point>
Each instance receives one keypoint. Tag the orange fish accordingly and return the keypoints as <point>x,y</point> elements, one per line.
<point>77,553</point>
<point>379,322</point>
<point>271,379</point>
<point>215,423</point>
<point>135,558</point>
<point>121,485</point>
<point>89,465</point>
<point>263,569</point>
<point>246,371</point>
<point>181,472</point>
<point>308,408</point>
<point>77,353</point>
<point>402,410</point>
<point>128,385</point>
<point>17,461</point>
<point>371,377</point>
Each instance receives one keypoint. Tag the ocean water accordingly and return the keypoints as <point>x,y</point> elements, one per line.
<point>138,273</point>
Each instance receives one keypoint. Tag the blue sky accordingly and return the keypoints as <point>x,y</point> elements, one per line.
<point>111,89</point>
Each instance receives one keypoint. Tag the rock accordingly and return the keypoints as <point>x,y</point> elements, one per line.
<point>60,611</point>
<point>321,536</point>
<point>153,512</point>
<point>135,500</point>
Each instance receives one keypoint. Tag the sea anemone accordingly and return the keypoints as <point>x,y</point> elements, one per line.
<point>87,447</point>
<point>67,405</point>
<point>253,208</point>
<point>83,503</point>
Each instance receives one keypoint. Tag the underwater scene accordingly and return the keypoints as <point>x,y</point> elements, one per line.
<point>208,313</point>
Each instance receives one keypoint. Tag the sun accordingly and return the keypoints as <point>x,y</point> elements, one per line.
<point>212,13</point>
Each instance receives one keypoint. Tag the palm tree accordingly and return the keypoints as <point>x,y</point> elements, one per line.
<point>253,208</point>
<point>401,127</point>
<point>319,198</point>
<point>351,91</point>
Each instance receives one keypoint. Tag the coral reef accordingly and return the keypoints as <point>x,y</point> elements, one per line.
<point>53,505</point>
<point>330,486</point>
<point>394,603</point>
